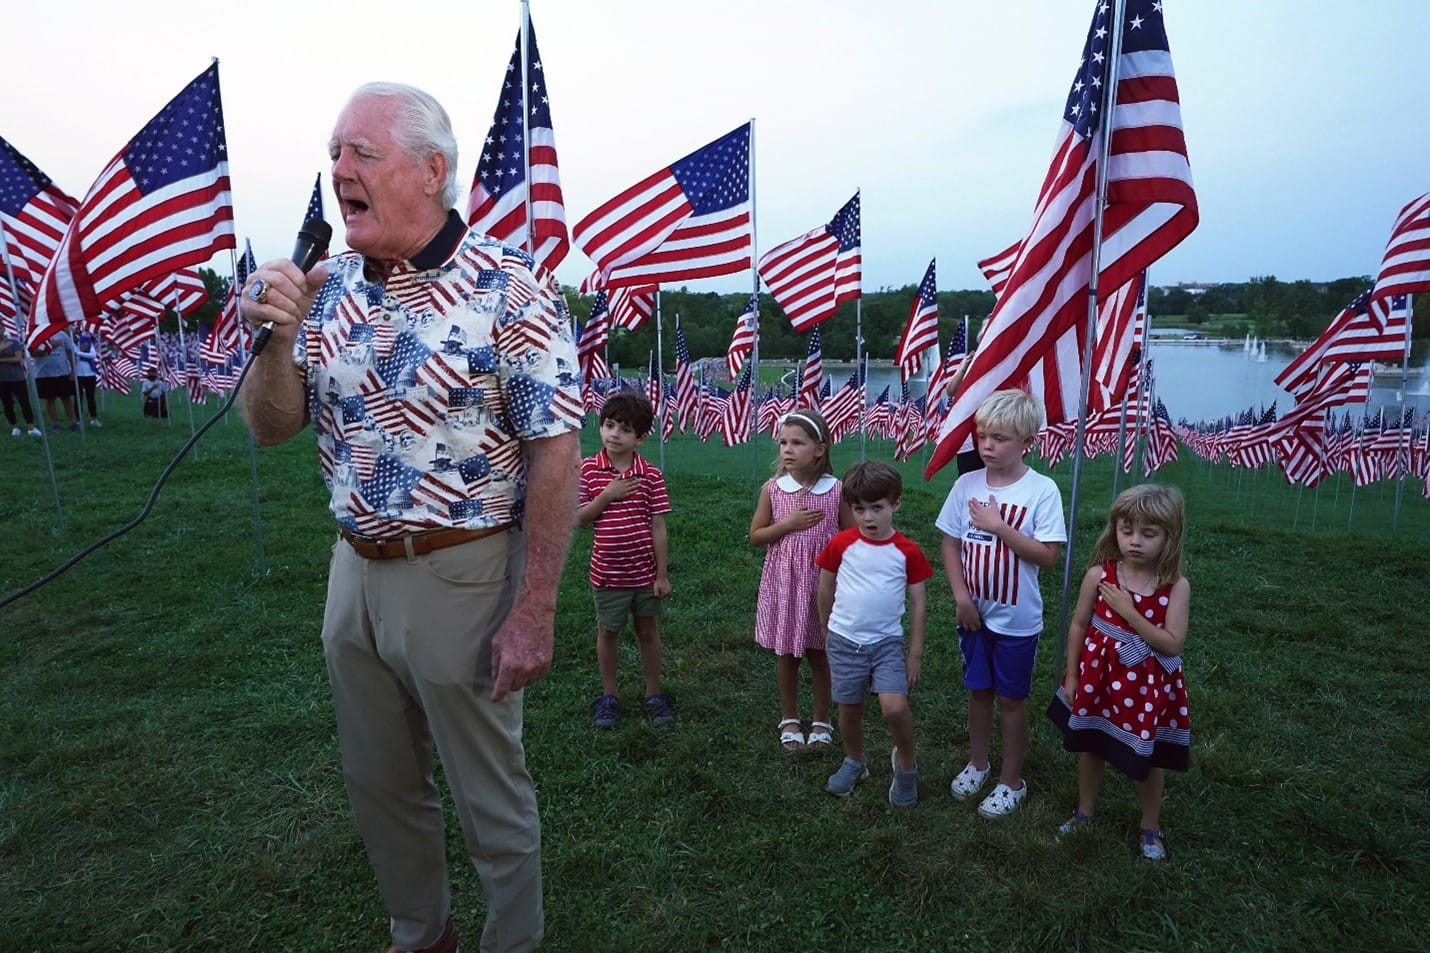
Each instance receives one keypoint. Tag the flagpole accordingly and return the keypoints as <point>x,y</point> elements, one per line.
<point>184,350</point>
<point>22,329</point>
<point>526,124</point>
<point>252,445</point>
<point>1402,455</point>
<point>755,292</point>
<point>1104,136</point>
<point>660,380</point>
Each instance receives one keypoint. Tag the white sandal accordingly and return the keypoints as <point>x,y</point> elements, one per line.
<point>793,736</point>
<point>820,733</point>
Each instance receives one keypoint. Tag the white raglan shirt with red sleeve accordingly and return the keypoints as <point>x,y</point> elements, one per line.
<point>871,580</point>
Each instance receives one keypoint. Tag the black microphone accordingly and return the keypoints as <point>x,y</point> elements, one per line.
<point>310,245</point>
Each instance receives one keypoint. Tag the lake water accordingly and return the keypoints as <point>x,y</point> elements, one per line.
<point>1207,380</point>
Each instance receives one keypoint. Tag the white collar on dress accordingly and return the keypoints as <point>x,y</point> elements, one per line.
<point>823,485</point>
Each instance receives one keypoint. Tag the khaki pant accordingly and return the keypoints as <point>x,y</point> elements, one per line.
<point>408,647</point>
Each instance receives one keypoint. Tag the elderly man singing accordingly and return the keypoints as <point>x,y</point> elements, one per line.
<point>439,374</point>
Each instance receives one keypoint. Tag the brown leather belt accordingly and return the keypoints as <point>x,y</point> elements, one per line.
<point>415,544</point>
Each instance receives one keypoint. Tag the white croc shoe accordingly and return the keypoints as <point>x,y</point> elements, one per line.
<point>968,782</point>
<point>1003,801</point>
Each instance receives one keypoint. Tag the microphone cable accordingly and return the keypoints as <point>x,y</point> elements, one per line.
<point>312,242</point>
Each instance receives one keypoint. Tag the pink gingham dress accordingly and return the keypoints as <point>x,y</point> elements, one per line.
<point>786,616</point>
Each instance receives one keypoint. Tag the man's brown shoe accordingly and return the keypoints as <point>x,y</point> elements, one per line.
<point>446,943</point>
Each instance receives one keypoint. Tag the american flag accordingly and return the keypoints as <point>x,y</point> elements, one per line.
<point>947,368</point>
<point>632,307</point>
<point>499,191</point>
<point>314,212</point>
<point>34,214</point>
<point>742,342</point>
<point>162,203</point>
<point>115,372</point>
<point>1353,336</point>
<point>878,419</point>
<point>230,334</point>
<point>1120,319</point>
<point>654,388</point>
<point>182,291</point>
<point>1150,207</point>
<point>812,274</point>
<point>999,268</point>
<point>315,203</point>
<point>1405,267</point>
<point>921,333</point>
<point>813,373</point>
<point>909,429</point>
<point>735,420</point>
<point>591,343</point>
<point>844,409</point>
<point>687,395</point>
<point>689,220</point>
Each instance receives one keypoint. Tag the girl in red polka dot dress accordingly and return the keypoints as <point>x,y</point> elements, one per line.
<point>1123,698</point>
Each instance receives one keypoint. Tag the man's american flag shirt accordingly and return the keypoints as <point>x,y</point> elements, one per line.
<point>422,387</point>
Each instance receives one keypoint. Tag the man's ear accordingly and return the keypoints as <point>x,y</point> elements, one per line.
<point>434,170</point>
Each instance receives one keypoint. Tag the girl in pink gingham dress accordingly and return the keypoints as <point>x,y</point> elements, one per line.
<point>796,514</point>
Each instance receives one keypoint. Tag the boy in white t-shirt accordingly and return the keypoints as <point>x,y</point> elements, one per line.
<point>864,574</point>
<point>1001,525</point>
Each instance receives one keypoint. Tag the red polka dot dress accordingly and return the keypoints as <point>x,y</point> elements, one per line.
<point>1131,701</point>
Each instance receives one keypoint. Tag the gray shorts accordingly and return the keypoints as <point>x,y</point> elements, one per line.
<point>856,670</point>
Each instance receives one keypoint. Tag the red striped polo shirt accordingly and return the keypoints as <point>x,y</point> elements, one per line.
<point>622,555</point>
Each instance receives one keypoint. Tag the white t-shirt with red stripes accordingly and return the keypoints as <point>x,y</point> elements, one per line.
<point>1004,587</point>
<point>622,554</point>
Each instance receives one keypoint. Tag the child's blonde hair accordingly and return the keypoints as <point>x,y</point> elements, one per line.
<point>1014,410</point>
<point>817,429</point>
<point>1149,505</point>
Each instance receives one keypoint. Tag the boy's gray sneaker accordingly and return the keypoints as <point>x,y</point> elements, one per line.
<point>904,792</point>
<point>607,711</point>
<point>842,781</point>
<point>660,708</point>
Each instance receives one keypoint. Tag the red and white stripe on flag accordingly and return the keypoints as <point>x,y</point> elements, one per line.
<point>1405,266</point>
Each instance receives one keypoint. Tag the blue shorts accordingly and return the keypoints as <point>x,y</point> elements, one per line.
<point>855,670</point>
<point>1003,663</point>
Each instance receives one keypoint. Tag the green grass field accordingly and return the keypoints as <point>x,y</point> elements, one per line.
<point>169,776</point>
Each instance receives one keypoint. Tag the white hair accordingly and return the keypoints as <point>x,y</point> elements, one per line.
<point>422,128</point>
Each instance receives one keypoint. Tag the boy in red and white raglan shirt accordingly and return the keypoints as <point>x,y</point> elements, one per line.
<point>625,497</point>
<point>865,572</point>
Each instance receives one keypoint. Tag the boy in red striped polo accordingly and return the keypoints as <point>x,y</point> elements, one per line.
<point>625,497</point>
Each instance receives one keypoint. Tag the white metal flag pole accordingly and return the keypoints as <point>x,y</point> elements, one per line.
<point>184,352</point>
<point>1104,135</point>
<point>755,317</point>
<point>526,125</point>
<point>659,382</point>
<point>1402,451</point>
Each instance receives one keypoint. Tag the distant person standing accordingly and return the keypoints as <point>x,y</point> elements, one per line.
<point>86,373</point>
<point>12,385</point>
<point>156,403</point>
<point>54,366</point>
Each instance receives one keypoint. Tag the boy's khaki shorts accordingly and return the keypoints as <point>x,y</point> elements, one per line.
<point>615,606</point>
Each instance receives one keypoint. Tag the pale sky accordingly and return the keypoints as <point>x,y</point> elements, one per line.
<point>1306,120</point>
